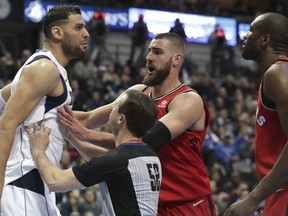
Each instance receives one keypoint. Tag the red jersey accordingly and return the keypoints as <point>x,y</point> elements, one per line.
<point>270,137</point>
<point>184,174</point>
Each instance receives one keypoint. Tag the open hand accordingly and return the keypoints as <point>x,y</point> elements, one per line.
<point>69,120</point>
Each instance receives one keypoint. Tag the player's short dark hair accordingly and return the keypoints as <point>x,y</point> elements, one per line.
<point>176,41</point>
<point>276,25</point>
<point>140,111</point>
<point>57,15</point>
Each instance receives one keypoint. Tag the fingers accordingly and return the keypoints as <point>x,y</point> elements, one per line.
<point>66,116</point>
<point>69,110</point>
<point>28,131</point>
<point>38,127</point>
<point>62,119</point>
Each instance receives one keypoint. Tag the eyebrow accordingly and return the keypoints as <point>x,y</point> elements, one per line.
<point>80,25</point>
<point>155,49</point>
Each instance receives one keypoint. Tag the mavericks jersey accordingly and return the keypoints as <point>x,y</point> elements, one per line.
<point>20,160</point>
<point>186,179</point>
<point>270,137</point>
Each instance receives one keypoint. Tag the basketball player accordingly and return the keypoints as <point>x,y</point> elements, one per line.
<point>177,137</point>
<point>267,44</point>
<point>38,89</point>
<point>129,176</point>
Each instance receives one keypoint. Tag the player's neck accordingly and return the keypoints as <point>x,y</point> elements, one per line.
<point>166,87</point>
<point>57,53</point>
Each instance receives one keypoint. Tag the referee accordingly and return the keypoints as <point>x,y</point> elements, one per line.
<point>129,176</point>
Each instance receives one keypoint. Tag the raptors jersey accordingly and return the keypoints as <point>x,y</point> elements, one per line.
<point>270,137</point>
<point>20,160</point>
<point>184,174</point>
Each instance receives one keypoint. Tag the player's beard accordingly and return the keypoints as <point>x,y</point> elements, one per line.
<point>158,75</point>
<point>71,50</point>
<point>249,55</point>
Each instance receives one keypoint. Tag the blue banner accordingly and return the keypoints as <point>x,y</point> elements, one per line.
<point>35,10</point>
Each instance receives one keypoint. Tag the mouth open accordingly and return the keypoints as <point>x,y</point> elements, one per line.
<point>150,69</point>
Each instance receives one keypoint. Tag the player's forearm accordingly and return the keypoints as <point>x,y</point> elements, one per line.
<point>102,139</point>
<point>49,172</point>
<point>98,117</point>
<point>276,179</point>
<point>87,150</point>
<point>92,119</point>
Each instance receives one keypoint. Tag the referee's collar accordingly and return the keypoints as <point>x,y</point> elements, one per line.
<point>132,143</point>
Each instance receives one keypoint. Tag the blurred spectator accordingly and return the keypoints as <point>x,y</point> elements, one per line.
<point>79,96</point>
<point>26,53</point>
<point>91,204</point>
<point>126,82</point>
<point>226,152</point>
<point>206,87</point>
<point>83,70</point>
<point>139,34</point>
<point>229,84</point>
<point>88,213</point>
<point>8,67</point>
<point>242,136</point>
<point>75,213</point>
<point>218,50</point>
<point>98,33</point>
<point>178,29</point>
<point>222,201</point>
<point>65,161</point>
<point>208,148</point>
<point>73,204</point>
<point>94,101</point>
<point>246,150</point>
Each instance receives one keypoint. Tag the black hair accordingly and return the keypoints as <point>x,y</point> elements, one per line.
<point>58,14</point>
<point>176,41</point>
<point>140,112</point>
<point>276,25</point>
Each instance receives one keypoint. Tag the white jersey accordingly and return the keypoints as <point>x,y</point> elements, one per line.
<point>2,103</point>
<point>20,160</point>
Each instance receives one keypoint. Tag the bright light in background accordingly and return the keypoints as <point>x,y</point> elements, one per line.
<point>197,27</point>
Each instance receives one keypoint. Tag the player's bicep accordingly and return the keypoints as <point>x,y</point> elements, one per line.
<point>33,85</point>
<point>275,88</point>
<point>184,111</point>
<point>6,92</point>
<point>283,116</point>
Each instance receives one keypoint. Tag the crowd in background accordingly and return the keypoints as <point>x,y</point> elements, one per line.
<point>209,7</point>
<point>228,151</point>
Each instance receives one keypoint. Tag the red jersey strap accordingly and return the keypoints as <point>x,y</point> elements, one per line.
<point>280,58</point>
<point>182,88</point>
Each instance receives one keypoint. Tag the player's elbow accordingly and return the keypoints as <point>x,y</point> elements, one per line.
<point>52,187</point>
<point>55,187</point>
<point>54,182</point>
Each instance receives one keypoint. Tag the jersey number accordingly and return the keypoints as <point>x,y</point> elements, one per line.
<point>153,170</point>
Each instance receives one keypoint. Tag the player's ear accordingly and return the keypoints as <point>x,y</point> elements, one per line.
<point>57,32</point>
<point>122,119</point>
<point>177,59</point>
<point>266,40</point>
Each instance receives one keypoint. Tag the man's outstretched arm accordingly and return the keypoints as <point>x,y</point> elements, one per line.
<point>57,180</point>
